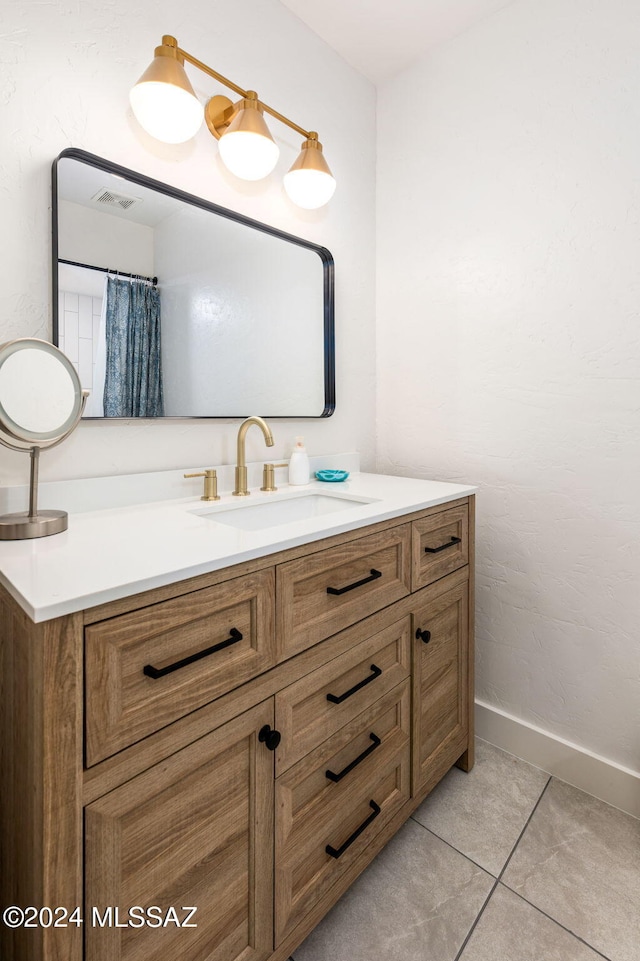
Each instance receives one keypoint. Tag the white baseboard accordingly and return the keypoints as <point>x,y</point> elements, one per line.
<point>596,775</point>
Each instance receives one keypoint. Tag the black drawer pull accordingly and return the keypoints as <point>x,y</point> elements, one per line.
<point>338,852</point>
<point>338,699</point>
<point>343,773</point>
<point>156,672</point>
<point>374,575</point>
<point>423,636</point>
<point>443,547</point>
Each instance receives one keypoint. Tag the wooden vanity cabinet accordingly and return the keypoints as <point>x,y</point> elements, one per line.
<point>258,776</point>
<point>195,830</point>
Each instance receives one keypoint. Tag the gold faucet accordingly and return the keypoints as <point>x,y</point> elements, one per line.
<point>241,467</point>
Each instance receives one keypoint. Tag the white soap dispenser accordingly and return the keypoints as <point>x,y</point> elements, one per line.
<point>299,464</point>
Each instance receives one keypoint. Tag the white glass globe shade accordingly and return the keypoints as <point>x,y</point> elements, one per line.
<point>166,112</point>
<point>249,156</point>
<point>309,188</point>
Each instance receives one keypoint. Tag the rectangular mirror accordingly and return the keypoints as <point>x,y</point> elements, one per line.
<point>171,306</point>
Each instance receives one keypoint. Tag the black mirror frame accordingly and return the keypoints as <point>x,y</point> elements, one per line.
<point>328,269</point>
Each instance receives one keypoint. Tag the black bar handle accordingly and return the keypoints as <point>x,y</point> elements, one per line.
<point>338,852</point>
<point>346,770</point>
<point>156,672</point>
<point>339,698</point>
<point>374,575</point>
<point>423,636</point>
<point>443,547</point>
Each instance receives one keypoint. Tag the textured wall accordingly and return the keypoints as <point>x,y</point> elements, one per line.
<point>65,72</point>
<point>509,342</point>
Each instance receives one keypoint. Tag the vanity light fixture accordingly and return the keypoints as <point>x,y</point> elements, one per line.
<point>165,105</point>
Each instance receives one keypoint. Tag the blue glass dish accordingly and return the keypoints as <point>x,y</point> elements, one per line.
<point>332,476</point>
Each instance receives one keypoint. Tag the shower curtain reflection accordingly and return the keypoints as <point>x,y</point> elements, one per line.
<point>133,376</point>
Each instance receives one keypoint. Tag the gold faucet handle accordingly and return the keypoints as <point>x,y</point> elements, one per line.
<point>269,476</point>
<point>210,484</point>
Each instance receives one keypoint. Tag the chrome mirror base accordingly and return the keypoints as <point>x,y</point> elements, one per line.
<point>20,526</point>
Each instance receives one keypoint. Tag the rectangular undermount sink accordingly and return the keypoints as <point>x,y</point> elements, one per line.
<point>299,507</point>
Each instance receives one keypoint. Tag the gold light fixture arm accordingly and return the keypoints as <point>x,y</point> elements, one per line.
<point>169,41</point>
<point>208,70</point>
<point>166,106</point>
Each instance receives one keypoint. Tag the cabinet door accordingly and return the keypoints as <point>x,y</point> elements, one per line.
<point>440,680</point>
<point>196,830</point>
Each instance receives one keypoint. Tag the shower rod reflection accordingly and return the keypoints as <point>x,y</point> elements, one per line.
<point>109,270</point>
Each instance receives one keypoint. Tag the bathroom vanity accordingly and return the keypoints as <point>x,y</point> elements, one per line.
<point>199,714</point>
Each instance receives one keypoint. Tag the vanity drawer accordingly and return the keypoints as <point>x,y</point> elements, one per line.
<point>370,758</point>
<point>318,705</point>
<point>322,594</point>
<point>152,666</point>
<point>440,545</point>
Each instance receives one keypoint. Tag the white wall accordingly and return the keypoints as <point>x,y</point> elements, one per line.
<point>509,342</point>
<point>102,240</point>
<point>243,313</point>
<point>65,72</point>
<point>509,245</point>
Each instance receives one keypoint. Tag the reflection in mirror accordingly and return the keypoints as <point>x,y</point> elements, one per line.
<point>171,306</point>
<point>38,395</point>
<point>41,402</point>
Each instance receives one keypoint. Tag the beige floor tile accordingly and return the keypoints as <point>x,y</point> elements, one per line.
<point>416,902</point>
<point>483,812</point>
<point>512,930</point>
<point>579,862</point>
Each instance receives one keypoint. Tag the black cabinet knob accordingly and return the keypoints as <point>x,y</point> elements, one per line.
<point>423,636</point>
<point>269,737</point>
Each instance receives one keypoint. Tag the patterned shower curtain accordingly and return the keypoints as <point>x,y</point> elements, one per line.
<point>133,380</point>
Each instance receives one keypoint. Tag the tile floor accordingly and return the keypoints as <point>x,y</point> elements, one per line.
<point>503,864</point>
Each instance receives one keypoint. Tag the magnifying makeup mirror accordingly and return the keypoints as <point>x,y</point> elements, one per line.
<point>41,402</point>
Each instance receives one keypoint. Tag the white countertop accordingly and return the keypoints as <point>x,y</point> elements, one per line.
<point>109,554</point>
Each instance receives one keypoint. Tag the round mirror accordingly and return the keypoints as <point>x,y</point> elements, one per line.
<point>40,392</point>
<point>41,401</point>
